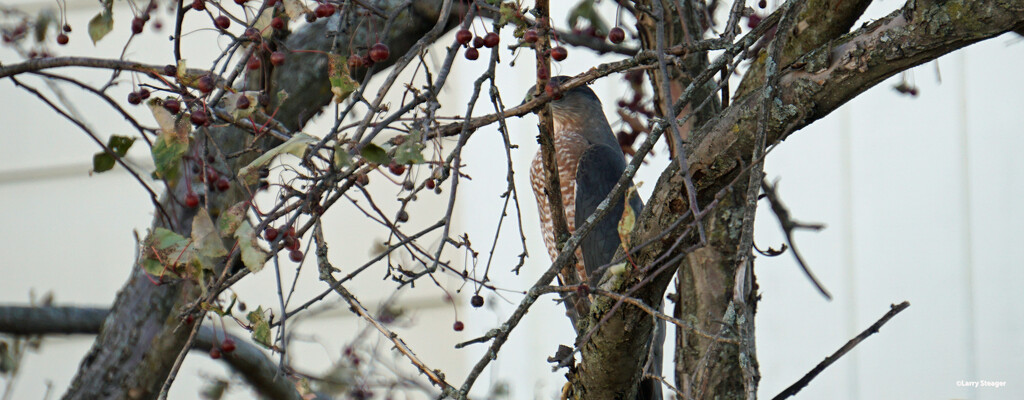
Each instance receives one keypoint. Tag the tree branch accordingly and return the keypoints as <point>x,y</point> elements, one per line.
<point>258,370</point>
<point>873,329</point>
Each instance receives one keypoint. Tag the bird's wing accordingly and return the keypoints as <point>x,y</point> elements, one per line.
<point>596,173</point>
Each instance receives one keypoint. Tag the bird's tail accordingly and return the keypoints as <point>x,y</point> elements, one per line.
<point>650,389</point>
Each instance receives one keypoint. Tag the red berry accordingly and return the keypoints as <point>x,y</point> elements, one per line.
<point>491,39</point>
<point>198,118</point>
<point>67,28</point>
<point>252,34</point>
<point>222,22</point>
<point>205,84</point>
<point>212,175</point>
<point>430,184</point>
<point>277,23</point>
<point>379,52</point>
<point>254,63</point>
<point>223,184</point>
<point>753,21</point>
<point>295,255</point>
<point>396,168</point>
<point>531,36</point>
<point>271,3</point>
<point>134,98</point>
<point>170,70</point>
<point>559,53</point>
<point>189,319</point>
<point>214,353</point>
<point>324,10</point>
<point>191,200</point>
<point>62,39</point>
<point>355,61</point>
<point>477,301</point>
<point>172,106</point>
<point>277,58</point>
<point>463,36</point>
<point>472,53</point>
<point>144,93</point>
<point>616,35</point>
<point>552,90</point>
<point>240,2</point>
<point>228,345</point>
<point>198,5</point>
<point>478,42</point>
<point>137,24</point>
<point>458,326</point>
<point>290,232</point>
<point>270,233</point>
<point>291,243</point>
<point>243,102</point>
<point>762,4</point>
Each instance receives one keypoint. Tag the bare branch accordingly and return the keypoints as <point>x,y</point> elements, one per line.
<point>871,330</point>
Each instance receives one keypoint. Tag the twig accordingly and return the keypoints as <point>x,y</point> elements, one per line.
<point>788,226</point>
<point>800,384</point>
<point>92,135</point>
<point>434,375</point>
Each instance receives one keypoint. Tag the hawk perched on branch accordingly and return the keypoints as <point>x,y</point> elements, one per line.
<point>589,161</point>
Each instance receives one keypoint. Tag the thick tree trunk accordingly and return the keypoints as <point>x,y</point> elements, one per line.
<point>828,76</point>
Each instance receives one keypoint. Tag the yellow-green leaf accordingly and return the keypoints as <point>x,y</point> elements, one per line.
<point>260,326</point>
<point>297,146</point>
<point>253,256</point>
<point>231,104</point>
<point>375,154</point>
<point>342,159</point>
<point>411,150</point>
<point>206,237</point>
<point>628,220</point>
<point>342,83</point>
<point>164,251</point>
<point>229,221</point>
<point>102,162</point>
<point>100,26</point>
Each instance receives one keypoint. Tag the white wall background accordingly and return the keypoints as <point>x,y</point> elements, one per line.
<point>920,195</point>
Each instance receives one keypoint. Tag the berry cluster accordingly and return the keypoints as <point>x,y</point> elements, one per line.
<point>464,37</point>
<point>291,242</point>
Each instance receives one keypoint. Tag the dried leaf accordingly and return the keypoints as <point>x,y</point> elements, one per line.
<point>295,8</point>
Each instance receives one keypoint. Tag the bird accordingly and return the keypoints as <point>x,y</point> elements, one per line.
<point>590,162</point>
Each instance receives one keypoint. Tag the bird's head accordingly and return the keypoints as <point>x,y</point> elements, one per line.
<point>578,109</point>
<point>569,100</point>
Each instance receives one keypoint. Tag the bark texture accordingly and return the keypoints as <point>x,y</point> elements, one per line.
<point>817,83</point>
